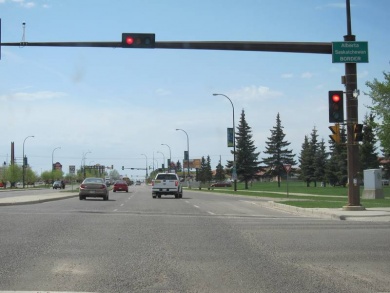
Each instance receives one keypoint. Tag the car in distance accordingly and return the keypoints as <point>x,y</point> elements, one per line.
<point>57,184</point>
<point>93,187</point>
<point>222,184</point>
<point>137,182</point>
<point>120,185</point>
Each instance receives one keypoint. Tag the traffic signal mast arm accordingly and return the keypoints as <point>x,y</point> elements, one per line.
<point>292,47</point>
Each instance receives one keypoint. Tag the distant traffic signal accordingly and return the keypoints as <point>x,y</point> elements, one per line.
<point>336,106</point>
<point>123,167</point>
<point>136,40</point>
<point>336,133</point>
<point>358,132</point>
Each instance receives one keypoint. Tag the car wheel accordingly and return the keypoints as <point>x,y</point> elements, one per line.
<point>80,197</point>
<point>153,196</point>
<point>159,195</point>
<point>114,190</point>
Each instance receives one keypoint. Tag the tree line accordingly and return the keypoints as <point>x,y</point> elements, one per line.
<point>316,162</point>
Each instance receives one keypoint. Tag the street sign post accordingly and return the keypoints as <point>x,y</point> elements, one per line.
<point>350,52</point>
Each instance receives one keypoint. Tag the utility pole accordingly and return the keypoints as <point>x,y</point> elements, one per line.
<point>352,118</point>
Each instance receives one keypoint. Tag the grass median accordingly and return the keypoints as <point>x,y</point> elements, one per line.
<point>300,195</point>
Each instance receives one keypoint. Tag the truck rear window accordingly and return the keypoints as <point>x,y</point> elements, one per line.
<point>166,177</point>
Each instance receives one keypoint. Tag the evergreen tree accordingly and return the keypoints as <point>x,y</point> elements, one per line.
<point>337,171</point>
<point>219,172</point>
<point>313,153</point>
<point>246,155</point>
<point>320,162</point>
<point>277,150</point>
<point>204,174</point>
<point>305,161</point>
<point>368,154</point>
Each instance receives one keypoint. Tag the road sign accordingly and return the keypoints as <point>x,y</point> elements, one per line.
<point>72,169</point>
<point>287,168</point>
<point>350,52</point>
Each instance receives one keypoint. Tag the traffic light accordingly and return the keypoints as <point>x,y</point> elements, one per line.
<point>132,40</point>
<point>336,133</point>
<point>358,132</point>
<point>123,167</point>
<point>336,106</point>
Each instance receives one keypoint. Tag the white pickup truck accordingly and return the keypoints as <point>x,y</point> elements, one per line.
<point>167,183</point>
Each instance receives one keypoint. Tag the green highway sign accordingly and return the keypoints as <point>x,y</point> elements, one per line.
<point>350,52</point>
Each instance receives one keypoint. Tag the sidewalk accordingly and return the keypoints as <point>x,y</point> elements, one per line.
<point>368,215</point>
<point>31,199</point>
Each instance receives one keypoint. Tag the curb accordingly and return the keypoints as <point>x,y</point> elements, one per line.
<point>302,211</point>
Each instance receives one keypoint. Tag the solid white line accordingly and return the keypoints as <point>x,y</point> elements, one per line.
<point>211,213</point>
<point>196,206</point>
<point>115,210</point>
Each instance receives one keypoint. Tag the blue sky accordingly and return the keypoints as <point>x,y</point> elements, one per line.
<point>120,103</point>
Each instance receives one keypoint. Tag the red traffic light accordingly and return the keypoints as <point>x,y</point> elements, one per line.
<point>137,40</point>
<point>336,107</point>
<point>336,98</point>
<point>129,40</point>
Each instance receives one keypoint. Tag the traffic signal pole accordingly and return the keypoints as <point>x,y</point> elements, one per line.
<point>352,118</point>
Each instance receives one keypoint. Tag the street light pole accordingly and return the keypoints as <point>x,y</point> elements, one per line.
<point>170,155</point>
<point>23,165</point>
<point>188,152</point>
<point>163,160</point>
<point>234,144</point>
<point>146,167</point>
<point>52,159</point>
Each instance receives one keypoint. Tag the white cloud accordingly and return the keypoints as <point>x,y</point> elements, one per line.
<point>24,4</point>
<point>255,93</point>
<point>307,75</point>
<point>23,96</point>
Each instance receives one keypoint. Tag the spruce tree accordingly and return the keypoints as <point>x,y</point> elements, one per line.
<point>368,153</point>
<point>313,153</point>
<point>305,161</point>
<point>320,162</point>
<point>337,170</point>
<point>219,172</point>
<point>277,150</point>
<point>246,156</point>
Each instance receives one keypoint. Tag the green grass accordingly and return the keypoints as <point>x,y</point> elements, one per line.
<point>305,197</point>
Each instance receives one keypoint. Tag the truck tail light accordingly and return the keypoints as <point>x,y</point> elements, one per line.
<point>153,183</point>
<point>176,183</point>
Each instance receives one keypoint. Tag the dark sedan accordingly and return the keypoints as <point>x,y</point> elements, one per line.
<point>222,184</point>
<point>120,185</point>
<point>93,187</point>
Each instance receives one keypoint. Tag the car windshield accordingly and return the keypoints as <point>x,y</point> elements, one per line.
<point>94,180</point>
<point>166,177</point>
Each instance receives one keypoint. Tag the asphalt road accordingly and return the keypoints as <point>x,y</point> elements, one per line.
<point>201,243</point>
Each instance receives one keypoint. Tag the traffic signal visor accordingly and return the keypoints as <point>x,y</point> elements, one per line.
<point>335,136</point>
<point>358,132</point>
